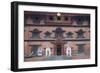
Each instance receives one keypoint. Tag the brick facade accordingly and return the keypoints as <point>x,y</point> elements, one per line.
<point>42,22</point>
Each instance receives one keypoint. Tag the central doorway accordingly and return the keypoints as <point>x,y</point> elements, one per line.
<point>58,50</point>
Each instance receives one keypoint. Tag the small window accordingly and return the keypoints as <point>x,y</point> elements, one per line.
<point>40,19</point>
<point>47,34</point>
<point>59,32</point>
<point>66,18</point>
<point>78,19</point>
<point>36,33</point>
<point>58,18</point>
<point>51,18</point>
<point>80,33</point>
<point>35,18</point>
<point>69,35</point>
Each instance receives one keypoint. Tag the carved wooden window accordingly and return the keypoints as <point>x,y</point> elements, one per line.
<point>58,32</point>
<point>51,18</point>
<point>40,19</point>
<point>80,33</point>
<point>58,18</point>
<point>80,19</point>
<point>66,18</point>
<point>36,33</point>
<point>69,35</point>
<point>47,34</point>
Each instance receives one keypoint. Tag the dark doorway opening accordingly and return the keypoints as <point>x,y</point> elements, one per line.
<point>58,50</point>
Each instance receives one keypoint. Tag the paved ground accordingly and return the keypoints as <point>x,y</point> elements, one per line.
<point>58,58</point>
<point>80,56</point>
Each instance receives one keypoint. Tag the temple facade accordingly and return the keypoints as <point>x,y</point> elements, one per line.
<point>56,34</point>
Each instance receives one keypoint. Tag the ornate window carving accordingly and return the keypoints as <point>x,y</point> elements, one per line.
<point>36,18</point>
<point>58,32</point>
<point>80,33</point>
<point>66,18</point>
<point>69,35</point>
<point>78,19</point>
<point>51,18</point>
<point>36,33</point>
<point>58,18</point>
<point>40,19</point>
<point>47,34</point>
<point>81,19</point>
